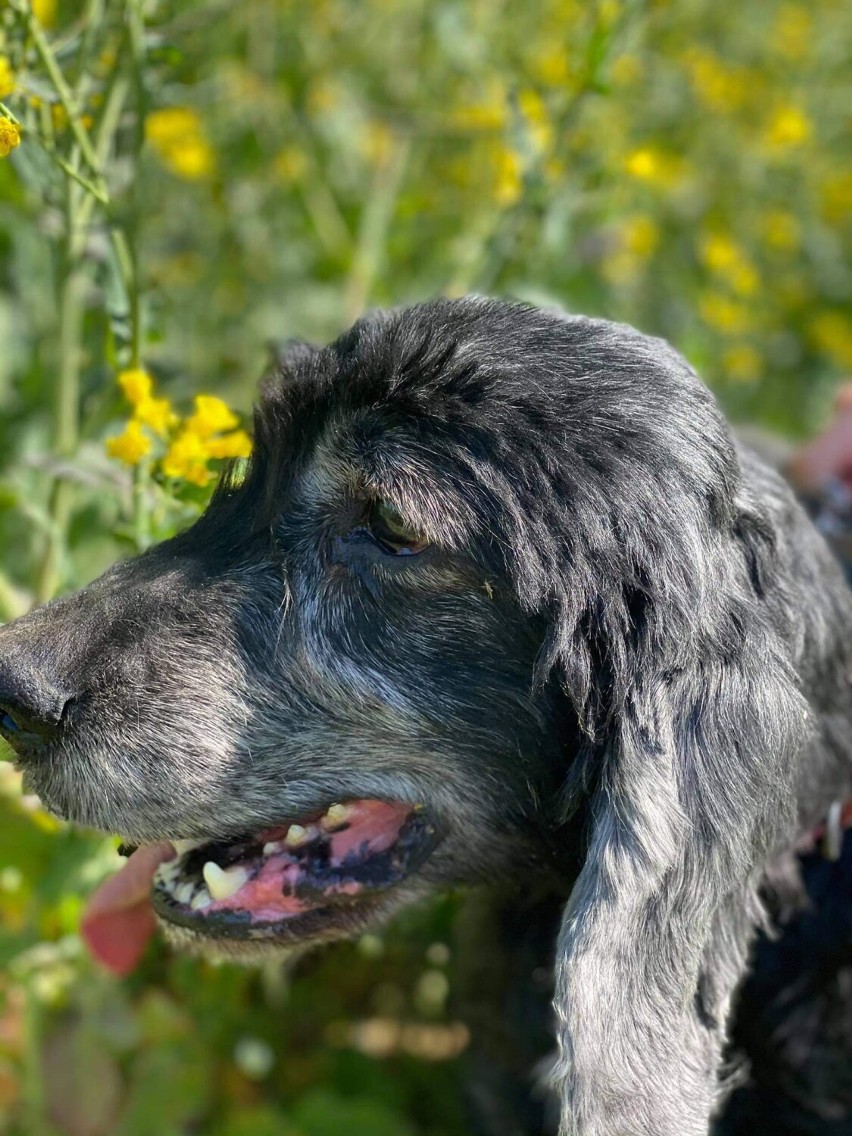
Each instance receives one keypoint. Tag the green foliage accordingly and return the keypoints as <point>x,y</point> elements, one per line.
<point>197,178</point>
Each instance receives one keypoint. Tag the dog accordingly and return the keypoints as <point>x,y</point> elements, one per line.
<point>498,601</point>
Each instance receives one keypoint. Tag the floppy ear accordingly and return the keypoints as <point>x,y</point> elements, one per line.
<point>694,784</point>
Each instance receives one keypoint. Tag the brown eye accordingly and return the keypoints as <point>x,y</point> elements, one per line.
<point>392,532</point>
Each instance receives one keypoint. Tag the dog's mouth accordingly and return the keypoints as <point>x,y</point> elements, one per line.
<point>294,878</point>
<point>319,877</point>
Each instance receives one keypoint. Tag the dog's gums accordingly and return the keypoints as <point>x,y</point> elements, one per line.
<point>252,887</point>
<point>317,878</point>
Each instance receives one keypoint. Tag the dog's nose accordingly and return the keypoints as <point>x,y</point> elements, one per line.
<point>31,704</point>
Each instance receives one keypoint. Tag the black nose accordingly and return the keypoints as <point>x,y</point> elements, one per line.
<point>32,705</point>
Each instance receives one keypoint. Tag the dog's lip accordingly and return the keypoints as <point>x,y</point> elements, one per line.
<point>121,915</point>
<point>285,889</point>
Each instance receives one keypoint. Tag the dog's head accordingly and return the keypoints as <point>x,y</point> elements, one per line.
<point>368,669</point>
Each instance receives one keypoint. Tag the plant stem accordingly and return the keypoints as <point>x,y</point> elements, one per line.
<point>66,96</point>
<point>66,418</point>
<point>376,219</point>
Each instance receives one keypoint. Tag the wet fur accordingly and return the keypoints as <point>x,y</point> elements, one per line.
<point>618,678</point>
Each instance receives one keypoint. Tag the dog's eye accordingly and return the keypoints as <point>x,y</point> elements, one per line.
<point>392,532</point>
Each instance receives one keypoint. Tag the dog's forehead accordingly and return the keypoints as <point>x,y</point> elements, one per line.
<point>457,392</point>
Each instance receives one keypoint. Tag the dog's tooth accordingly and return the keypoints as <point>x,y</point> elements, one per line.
<point>297,835</point>
<point>271,847</point>
<point>335,816</point>
<point>223,883</point>
<point>201,900</point>
<point>184,893</point>
<point>181,846</point>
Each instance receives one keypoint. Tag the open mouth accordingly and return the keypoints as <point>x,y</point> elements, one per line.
<point>294,881</point>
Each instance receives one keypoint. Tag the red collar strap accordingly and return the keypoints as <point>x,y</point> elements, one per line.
<point>828,836</point>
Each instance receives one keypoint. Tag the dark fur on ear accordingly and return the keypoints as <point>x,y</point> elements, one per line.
<point>665,612</point>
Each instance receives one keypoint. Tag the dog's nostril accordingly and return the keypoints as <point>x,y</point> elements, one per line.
<point>30,719</point>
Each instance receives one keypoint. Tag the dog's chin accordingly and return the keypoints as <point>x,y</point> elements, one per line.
<point>286,888</point>
<point>286,944</point>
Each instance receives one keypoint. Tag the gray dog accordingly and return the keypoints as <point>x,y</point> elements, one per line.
<point>499,601</point>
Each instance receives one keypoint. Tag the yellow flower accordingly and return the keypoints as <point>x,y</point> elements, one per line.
<point>45,12</point>
<point>793,33</point>
<point>744,279</point>
<point>655,167</point>
<point>836,197</point>
<point>10,136</point>
<point>742,362</point>
<point>131,445</point>
<point>833,335</point>
<point>723,256</point>
<point>640,235</point>
<point>177,136</point>
<point>534,110</point>
<point>551,67</point>
<point>719,252</point>
<point>723,313</point>
<point>508,180</point>
<point>625,70</point>
<point>719,86</point>
<point>492,113</point>
<point>186,458</point>
<point>780,229</point>
<point>642,164</point>
<point>193,161</point>
<point>137,385</point>
<point>790,127</point>
<point>290,165</point>
<point>59,118</point>
<point>621,267</point>
<point>323,97</point>
<point>7,78</point>
<point>156,413</point>
<point>212,416</point>
<point>237,444</point>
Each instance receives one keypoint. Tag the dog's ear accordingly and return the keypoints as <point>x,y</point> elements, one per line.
<point>694,720</point>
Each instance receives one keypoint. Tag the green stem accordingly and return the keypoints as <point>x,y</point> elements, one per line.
<point>142,505</point>
<point>66,416</point>
<point>82,181</point>
<point>66,95</point>
<point>34,1103</point>
<point>79,208</point>
<point>376,219</point>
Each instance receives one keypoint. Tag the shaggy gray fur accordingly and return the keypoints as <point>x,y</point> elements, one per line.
<point>620,671</point>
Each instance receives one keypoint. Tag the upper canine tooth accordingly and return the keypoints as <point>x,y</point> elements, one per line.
<point>335,815</point>
<point>296,834</point>
<point>223,883</point>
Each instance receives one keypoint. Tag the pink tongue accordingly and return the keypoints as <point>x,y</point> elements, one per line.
<point>119,920</point>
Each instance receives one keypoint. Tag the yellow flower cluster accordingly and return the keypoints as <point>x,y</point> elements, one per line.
<point>788,129</point>
<point>7,78</point>
<point>10,136</point>
<point>45,12</point>
<point>832,332</point>
<point>176,135</point>
<point>655,167</point>
<point>726,260</point>
<point>211,432</point>
<point>720,86</point>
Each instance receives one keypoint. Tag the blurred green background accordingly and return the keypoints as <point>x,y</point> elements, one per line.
<point>275,168</point>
